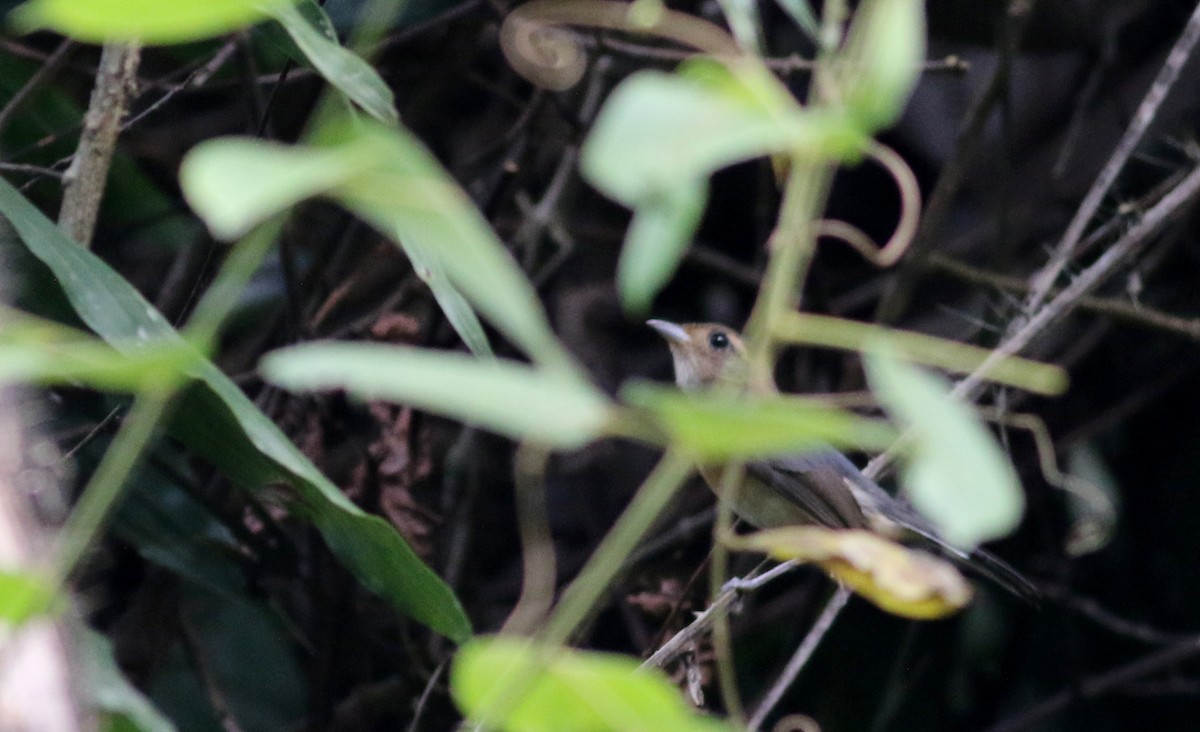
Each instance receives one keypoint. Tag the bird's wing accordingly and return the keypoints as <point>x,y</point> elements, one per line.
<point>815,483</point>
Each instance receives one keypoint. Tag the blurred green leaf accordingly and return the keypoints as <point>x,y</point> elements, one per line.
<point>43,352</point>
<point>150,21</point>
<point>511,399</point>
<point>956,474</point>
<point>637,155</point>
<point>389,179</point>
<point>234,184</point>
<point>656,242</point>
<point>112,693</point>
<point>456,307</point>
<point>220,423</point>
<point>636,149</point>
<point>567,690</point>
<point>720,425</point>
<point>881,60</point>
<point>24,595</point>
<point>342,68</point>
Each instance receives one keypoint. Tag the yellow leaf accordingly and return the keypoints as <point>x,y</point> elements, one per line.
<point>902,581</point>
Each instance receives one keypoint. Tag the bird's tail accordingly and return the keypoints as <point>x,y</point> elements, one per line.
<point>1002,573</point>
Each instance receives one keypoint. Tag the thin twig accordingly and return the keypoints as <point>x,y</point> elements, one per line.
<point>1065,250</point>
<point>1116,308</point>
<point>1171,206</point>
<point>815,634</point>
<point>44,72</point>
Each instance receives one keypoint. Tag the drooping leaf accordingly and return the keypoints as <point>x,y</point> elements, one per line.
<point>636,148</point>
<point>345,70</point>
<point>387,178</point>
<point>721,426</point>
<point>902,581</point>
<point>40,351</point>
<point>511,399</point>
<point>956,473</point>
<point>565,690</point>
<point>218,421</point>
<point>881,61</point>
<point>657,239</point>
<point>150,21</point>
<point>637,155</point>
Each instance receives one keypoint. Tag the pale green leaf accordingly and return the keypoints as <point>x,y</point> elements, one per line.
<point>656,242</point>
<point>881,61</point>
<point>342,68</point>
<point>43,352</point>
<point>390,180</point>
<point>508,398</point>
<point>148,21</point>
<point>234,184</point>
<point>720,426</point>
<point>956,474</point>
<point>456,308</point>
<point>514,687</point>
<point>637,147</point>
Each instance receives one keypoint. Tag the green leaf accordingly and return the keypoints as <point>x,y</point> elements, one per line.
<point>111,692</point>
<point>456,307</point>
<point>637,155</point>
<point>881,61</point>
<point>502,396</point>
<point>220,423</point>
<point>389,179</point>
<point>636,149</point>
<point>234,184</point>
<point>43,352</point>
<point>566,690</point>
<point>956,474</point>
<point>719,425</point>
<point>150,21</point>
<point>342,68</point>
<point>24,595</point>
<point>655,244</point>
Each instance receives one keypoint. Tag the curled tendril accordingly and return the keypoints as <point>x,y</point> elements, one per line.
<point>546,54</point>
<point>910,212</point>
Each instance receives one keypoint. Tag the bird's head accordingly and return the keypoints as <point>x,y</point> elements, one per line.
<point>705,354</point>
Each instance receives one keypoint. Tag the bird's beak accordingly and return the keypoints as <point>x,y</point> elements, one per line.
<point>673,332</point>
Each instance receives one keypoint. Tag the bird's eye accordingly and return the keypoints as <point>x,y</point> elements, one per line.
<point>718,340</point>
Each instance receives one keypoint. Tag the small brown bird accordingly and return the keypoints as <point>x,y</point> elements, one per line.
<point>821,487</point>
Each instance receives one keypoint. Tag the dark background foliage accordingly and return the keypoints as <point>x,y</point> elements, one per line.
<point>227,612</point>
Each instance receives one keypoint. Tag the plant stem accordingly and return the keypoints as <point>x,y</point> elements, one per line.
<point>579,599</point>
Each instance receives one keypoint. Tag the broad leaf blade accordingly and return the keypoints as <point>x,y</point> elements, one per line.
<point>721,426</point>
<point>957,475</point>
<point>508,398</point>
<point>567,690</point>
